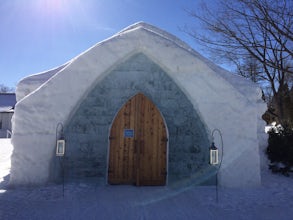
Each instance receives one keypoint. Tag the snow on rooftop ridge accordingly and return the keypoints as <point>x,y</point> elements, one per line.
<point>42,76</point>
<point>32,82</point>
<point>151,29</point>
<point>157,31</point>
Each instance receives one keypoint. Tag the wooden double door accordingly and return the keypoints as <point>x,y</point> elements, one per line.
<point>138,144</point>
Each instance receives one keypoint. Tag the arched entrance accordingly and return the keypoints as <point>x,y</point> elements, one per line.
<point>138,144</point>
<point>87,128</point>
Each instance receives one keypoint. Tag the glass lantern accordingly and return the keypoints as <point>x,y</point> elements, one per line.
<point>214,154</point>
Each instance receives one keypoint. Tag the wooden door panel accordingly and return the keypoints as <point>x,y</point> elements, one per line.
<point>152,159</point>
<point>140,159</point>
<point>121,166</point>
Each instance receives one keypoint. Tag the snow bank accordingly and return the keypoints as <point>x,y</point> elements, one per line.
<point>273,200</point>
<point>5,154</point>
<point>229,103</point>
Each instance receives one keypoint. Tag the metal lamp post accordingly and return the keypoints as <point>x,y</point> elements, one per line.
<point>214,157</point>
<point>60,148</point>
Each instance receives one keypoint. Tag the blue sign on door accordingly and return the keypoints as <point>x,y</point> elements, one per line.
<point>128,133</point>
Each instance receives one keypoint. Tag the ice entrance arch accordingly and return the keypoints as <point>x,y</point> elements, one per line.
<point>87,130</point>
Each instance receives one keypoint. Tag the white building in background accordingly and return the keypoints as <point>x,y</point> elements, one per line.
<point>137,108</point>
<point>7,103</point>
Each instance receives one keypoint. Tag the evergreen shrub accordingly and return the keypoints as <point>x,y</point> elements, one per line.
<point>280,150</point>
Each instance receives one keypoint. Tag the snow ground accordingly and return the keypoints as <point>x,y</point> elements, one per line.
<point>273,200</point>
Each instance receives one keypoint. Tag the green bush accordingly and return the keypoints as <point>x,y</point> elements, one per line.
<point>280,150</point>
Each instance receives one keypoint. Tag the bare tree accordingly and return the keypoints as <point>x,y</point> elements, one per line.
<point>249,68</point>
<point>5,89</point>
<point>255,35</point>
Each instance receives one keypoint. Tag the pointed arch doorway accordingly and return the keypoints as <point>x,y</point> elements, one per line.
<point>138,144</point>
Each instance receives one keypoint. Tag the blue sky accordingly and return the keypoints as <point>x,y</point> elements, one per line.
<point>37,35</point>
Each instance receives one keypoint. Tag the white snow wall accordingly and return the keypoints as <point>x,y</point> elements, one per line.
<point>229,103</point>
<point>31,83</point>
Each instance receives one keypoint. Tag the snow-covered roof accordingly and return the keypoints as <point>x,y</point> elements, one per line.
<point>7,102</point>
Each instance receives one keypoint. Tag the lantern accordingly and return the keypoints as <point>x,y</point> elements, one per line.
<point>60,142</point>
<point>214,154</point>
<point>60,147</point>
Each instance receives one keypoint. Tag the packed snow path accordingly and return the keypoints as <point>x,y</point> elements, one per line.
<point>274,200</point>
